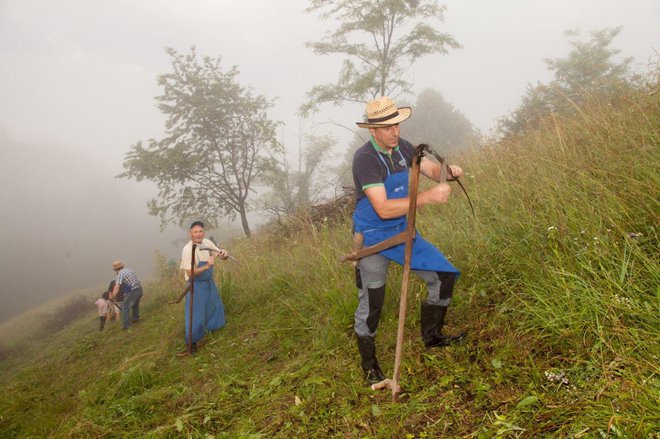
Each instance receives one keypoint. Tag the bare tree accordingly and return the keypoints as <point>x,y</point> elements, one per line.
<point>294,189</point>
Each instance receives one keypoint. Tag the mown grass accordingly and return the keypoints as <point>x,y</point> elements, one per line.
<point>559,292</point>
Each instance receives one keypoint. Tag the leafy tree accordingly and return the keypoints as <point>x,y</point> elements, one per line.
<point>590,69</point>
<point>437,122</point>
<point>590,65</point>
<point>390,35</point>
<point>219,138</point>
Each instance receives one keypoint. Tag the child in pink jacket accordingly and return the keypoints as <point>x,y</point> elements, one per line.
<point>102,305</point>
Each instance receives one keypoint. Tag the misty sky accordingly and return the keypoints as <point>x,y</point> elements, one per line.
<point>77,88</point>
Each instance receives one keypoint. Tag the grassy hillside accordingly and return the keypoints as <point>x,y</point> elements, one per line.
<point>559,293</point>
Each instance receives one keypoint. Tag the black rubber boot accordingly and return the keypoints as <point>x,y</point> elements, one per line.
<point>367,348</point>
<point>432,321</point>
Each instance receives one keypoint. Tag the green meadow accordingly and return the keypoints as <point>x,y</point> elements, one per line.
<point>559,293</point>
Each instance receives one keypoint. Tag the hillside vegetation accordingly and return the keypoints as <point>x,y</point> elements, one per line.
<point>559,293</point>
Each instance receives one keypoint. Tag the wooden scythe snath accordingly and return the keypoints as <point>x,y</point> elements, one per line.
<point>406,237</point>
<point>192,296</point>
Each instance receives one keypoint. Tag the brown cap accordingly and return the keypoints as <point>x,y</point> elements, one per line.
<point>117,265</point>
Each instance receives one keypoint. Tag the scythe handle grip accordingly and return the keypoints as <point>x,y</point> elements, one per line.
<point>397,239</point>
<point>182,295</point>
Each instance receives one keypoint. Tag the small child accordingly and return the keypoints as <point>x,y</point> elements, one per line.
<point>102,305</point>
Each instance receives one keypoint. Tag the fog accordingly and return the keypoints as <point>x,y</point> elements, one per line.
<point>77,88</point>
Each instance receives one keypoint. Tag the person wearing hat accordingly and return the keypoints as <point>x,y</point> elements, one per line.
<point>132,293</point>
<point>208,310</point>
<point>380,172</point>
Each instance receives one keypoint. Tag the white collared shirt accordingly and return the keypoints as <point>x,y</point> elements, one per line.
<point>200,255</point>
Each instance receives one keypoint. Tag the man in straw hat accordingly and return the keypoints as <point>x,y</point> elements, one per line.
<point>132,293</point>
<point>380,173</point>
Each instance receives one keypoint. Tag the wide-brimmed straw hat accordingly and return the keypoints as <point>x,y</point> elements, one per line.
<point>117,265</point>
<point>383,112</point>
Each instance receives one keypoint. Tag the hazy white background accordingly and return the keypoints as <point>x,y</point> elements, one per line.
<point>77,88</point>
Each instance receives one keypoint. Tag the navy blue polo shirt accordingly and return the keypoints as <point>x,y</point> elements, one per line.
<point>369,170</point>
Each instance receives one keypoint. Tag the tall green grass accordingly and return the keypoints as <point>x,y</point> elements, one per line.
<point>559,292</point>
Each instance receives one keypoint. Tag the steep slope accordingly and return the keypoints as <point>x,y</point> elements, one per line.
<point>558,292</point>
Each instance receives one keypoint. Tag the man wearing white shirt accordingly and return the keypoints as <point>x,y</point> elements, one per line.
<point>208,310</point>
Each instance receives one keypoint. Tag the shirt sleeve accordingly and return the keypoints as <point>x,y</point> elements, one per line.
<point>367,171</point>
<point>205,255</point>
<point>185,258</point>
<point>210,244</point>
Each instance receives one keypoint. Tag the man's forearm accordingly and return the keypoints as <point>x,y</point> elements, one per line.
<point>433,170</point>
<point>435,174</point>
<point>199,270</point>
<point>398,207</point>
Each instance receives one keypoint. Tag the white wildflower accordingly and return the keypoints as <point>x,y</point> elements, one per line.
<point>622,300</point>
<point>557,377</point>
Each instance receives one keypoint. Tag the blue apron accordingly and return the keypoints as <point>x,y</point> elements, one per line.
<point>208,309</point>
<point>366,221</point>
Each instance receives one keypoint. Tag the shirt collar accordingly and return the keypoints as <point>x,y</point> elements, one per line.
<point>379,149</point>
